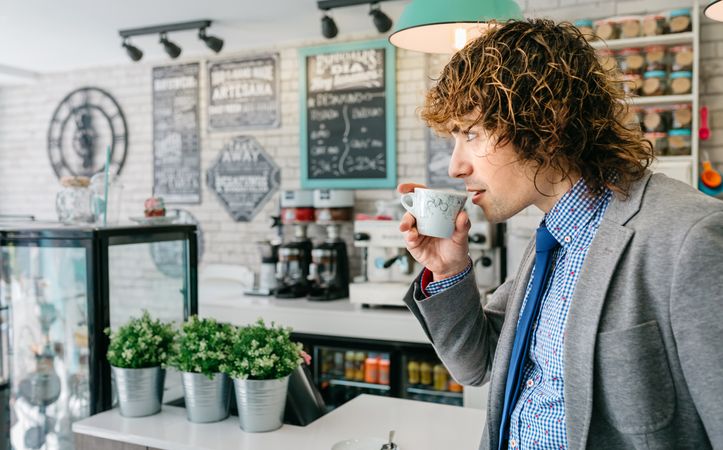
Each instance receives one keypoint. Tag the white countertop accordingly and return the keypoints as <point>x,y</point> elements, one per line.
<point>331,318</point>
<point>418,426</point>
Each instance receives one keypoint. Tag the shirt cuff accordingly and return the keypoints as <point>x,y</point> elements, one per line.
<point>430,287</point>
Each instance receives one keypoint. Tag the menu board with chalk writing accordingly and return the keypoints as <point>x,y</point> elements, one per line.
<point>348,116</point>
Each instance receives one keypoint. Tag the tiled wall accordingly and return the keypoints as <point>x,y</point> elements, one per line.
<point>28,184</point>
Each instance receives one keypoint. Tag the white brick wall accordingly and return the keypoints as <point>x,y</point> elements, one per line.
<point>28,184</point>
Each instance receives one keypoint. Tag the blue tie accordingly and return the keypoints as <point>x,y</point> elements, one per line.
<point>545,245</point>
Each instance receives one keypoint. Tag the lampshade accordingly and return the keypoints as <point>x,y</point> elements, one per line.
<point>434,26</point>
<point>715,10</point>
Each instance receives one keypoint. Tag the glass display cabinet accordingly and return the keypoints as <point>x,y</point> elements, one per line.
<point>60,287</point>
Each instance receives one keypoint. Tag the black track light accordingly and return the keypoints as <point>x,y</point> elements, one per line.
<point>328,27</point>
<point>381,20</point>
<point>171,49</point>
<point>211,42</point>
<point>134,53</point>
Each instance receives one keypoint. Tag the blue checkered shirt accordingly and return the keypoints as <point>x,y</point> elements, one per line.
<point>538,419</point>
<point>435,287</point>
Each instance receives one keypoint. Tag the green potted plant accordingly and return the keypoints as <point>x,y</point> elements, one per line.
<point>200,348</point>
<point>262,358</point>
<point>137,354</point>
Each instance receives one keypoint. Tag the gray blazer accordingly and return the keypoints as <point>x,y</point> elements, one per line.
<point>644,334</point>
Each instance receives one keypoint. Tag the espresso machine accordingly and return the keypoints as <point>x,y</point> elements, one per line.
<point>387,268</point>
<point>486,249</point>
<point>294,257</point>
<point>329,270</point>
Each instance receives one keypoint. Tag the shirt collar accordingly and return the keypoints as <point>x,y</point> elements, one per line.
<point>573,211</point>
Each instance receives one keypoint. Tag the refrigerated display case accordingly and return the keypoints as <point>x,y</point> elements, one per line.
<point>344,368</point>
<point>60,287</point>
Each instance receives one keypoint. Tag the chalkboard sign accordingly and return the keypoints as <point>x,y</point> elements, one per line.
<point>244,177</point>
<point>439,153</point>
<point>176,145</point>
<point>244,93</point>
<point>348,116</point>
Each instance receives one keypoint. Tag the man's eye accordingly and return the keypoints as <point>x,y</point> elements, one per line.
<point>470,135</point>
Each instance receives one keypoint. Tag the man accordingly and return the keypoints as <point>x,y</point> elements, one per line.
<point>610,335</point>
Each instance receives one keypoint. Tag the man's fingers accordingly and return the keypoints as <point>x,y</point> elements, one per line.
<point>407,223</point>
<point>403,188</point>
<point>462,222</point>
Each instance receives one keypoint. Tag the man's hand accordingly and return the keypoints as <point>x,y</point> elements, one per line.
<point>443,257</point>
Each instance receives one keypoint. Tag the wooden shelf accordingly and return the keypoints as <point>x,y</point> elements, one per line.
<point>663,39</point>
<point>661,100</point>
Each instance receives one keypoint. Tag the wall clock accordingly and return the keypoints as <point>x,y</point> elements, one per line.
<point>85,122</point>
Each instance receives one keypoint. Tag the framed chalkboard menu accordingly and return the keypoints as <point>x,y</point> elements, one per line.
<point>176,145</point>
<point>244,93</point>
<point>348,116</point>
<point>439,153</point>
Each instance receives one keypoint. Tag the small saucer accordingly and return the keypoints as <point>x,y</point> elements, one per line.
<point>360,444</point>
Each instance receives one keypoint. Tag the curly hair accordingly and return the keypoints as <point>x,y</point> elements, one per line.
<point>540,86</point>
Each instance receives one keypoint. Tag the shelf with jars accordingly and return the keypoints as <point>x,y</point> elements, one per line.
<point>657,55</point>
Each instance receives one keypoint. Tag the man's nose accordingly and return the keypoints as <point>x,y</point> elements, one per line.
<point>459,165</point>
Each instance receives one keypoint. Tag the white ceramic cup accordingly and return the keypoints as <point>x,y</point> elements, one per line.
<point>435,211</point>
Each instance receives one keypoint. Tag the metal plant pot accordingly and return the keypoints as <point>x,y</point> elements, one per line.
<point>261,403</point>
<point>207,399</point>
<point>140,391</point>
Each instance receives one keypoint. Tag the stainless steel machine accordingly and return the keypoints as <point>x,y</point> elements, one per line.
<point>388,269</point>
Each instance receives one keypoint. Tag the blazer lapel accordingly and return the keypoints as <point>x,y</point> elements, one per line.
<point>582,324</point>
<point>504,346</point>
<point>605,251</point>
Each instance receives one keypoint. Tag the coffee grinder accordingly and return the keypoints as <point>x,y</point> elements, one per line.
<point>266,282</point>
<point>292,269</point>
<point>329,270</point>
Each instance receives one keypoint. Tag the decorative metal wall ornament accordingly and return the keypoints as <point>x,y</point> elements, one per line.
<point>244,177</point>
<point>85,122</point>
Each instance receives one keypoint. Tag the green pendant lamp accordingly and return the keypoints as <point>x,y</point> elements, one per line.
<point>435,26</point>
<point>714,10</point>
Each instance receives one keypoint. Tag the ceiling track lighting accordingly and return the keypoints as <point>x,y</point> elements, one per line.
<point>171,48</point>
<point>329,30</point>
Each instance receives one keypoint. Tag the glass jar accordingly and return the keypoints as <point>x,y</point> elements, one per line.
<point>681,57</point>
<point>654,83</point>
<point>632,83</point>
<point>681,82</point>
<point>659,141</point>
<point>631,61</point>
<point>586,29</point>
<point>681,116</point>
<point>656,58</point>
<point>73,201</point>
<point>607,59</point>
<point>607,29</point>
<point>680,21</point>
<point>655,120</point>
<point>655,25</point>
<point>630,26</point>
<point>679,142</point>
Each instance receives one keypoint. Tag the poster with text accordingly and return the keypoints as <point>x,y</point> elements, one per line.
<point>244,93</point>
<point>176,144</point>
